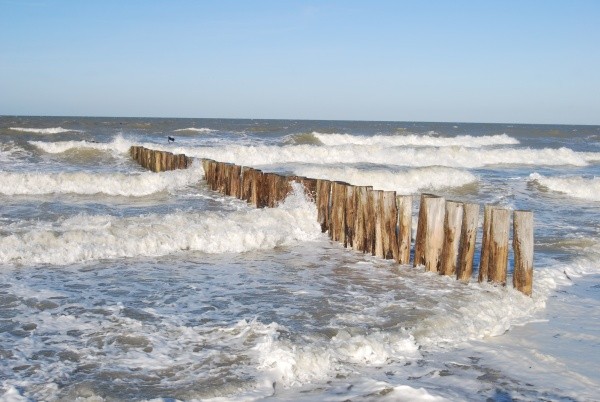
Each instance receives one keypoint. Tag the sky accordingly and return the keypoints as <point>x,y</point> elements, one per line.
<point>526,61</point>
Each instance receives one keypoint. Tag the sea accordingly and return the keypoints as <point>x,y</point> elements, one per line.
<point>121,284</point>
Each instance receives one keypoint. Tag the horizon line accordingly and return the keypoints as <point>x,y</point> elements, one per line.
<point>300,119</point>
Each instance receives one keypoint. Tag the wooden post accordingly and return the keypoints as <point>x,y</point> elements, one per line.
<point>235,173</point>
<point>389,212</point>
<point>370,216</point>
<point>377,230</point>
<point>499,245</point>
<point>245,183</point>
<point>452,235</point>
<point>310,188</point>
<point>484,260</point>
<point>430,232</point>
<point>361,195</point>
<point>350,215</point>
<point>284,187</point>
<point>163,160</point>
<point>404,206</point>
<point>265,189</point>
<point>523,250</point>
<point>337,222</point>
<point>467,242</point>
<point>323,196</point>
<point>256,186</point>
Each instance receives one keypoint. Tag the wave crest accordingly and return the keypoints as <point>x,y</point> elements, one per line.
<point>573,186</point>
<point>196,130</point>
<point>416,140</point>
<point>404,182</point>
<point>49,130</point>
<point>114,184</point>
<point>85,238</point>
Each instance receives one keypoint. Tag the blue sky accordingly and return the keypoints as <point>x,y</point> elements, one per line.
<point>467,61</point>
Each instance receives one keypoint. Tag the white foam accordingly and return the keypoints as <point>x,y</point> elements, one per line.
<point>573,186</point>
<point>118,144</point>
<point>85,237</point>
<point>11,152</point>
<point>49,130</point>
<point>117,184</point>
<point>416,140</point>
<point>404,182</point>
<point>197,130</point>
<point>287,364</point>
<point>460,157</point>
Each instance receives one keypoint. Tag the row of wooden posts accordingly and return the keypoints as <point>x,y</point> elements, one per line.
<point>158,161</point>
<point>380,222</point>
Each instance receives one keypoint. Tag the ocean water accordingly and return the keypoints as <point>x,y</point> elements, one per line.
<point>121,284</point>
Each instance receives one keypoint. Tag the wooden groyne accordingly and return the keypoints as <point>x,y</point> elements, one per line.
<point>158,161</point>
<point>379,222</point>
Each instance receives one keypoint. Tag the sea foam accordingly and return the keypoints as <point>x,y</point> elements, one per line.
<point>416,140</point>
<point>460,157</point>
<point>404,182</point>
<point>573,186</point>
<point>49,130</point>
<point>197,130</point>
<point>118,144</point>
<point>84,183</point>
<point>84,237</point>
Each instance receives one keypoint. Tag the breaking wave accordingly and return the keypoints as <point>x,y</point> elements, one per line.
<point>416,140</point>
<point>84,237</point>
<point>404,182</point>
<point>459,157</point>
<point>114,184</point>
<point>50,130</point>
<point>573,186</point>
<point>197,130</point>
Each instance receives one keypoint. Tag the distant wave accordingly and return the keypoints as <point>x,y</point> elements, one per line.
<point>50,130</point>
<point>118,144</point>
<point>459,157</point>
<point>302,139</point>
<point>10,152</point>
<point>114,184</point>
<point>403,182</point>
<point>198,130</point>
<point>415,140</point>
<point>573,186</point>
<point>85,237</point>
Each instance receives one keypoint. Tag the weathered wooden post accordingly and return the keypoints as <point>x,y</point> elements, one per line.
<point>523,250</point>
<point>323,196</point>
<point>169,162</point>
<point>373,224</point>
<point>310,187</point>
<point>163,161</point>
<point>484,260</point>
<point>389,220</point>
<point>257,177</point>
<point>183,161</point>
<point>337,222</point>
<point>499,246</point>
<point>361,195</point>
<point>350,215</point>
<point>430,232</point>
<point>468,236</point>
<point>235,173</point>
<point>404,206</point>
<point>452,235</point>
<point>245,183</point>
<point>265,189</point>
